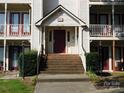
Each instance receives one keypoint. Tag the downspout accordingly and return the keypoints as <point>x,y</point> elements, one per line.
<point>82,55</point>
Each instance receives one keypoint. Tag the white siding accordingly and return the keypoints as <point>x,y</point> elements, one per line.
<point>49,5</point>
<point>84,15</point>
<point>84,11</point>
<point>71,5</point>
<point>36,15</point>
<point>67,20</point>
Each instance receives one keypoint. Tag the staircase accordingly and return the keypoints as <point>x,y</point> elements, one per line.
<point>62,64</point>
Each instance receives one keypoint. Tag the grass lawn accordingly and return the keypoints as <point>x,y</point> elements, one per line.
<point>118,74</point>
<point>15,86</point>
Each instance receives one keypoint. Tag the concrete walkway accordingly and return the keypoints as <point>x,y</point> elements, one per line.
<point>66,83</point>
<point>10,75</point>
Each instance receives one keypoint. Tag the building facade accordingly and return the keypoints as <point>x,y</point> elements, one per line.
<point>63,27</point>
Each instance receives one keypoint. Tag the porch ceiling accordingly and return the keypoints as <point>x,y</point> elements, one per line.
<point>15,7</point>
<point>2,6</point>
<point>18,42</point>
<point>1,42</point>
<point>106,9</point>
<point>103,43</point>
<point>107,43</point>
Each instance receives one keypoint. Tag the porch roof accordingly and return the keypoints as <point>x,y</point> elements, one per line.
<point>59,9</point>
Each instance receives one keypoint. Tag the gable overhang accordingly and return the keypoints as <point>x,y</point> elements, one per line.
<point>42,20</point>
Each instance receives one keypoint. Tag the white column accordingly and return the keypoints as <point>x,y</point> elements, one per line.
<point>122,57</point>
<point>75,36</point>
<point>4,53</point>
<point>32,21</point>
<point>29,16</point>
<point>7,58</point>
<point>80,39</point>
<point>5,19</point>
<point>113,17</point>
<point>110,59</point>
<point>4,56</point>
<point>44,42</point>
<point>76,40</point>
<point>29,25</point>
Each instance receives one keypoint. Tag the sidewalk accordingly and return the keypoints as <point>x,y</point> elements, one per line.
<point>69,83</point>
<point>66,83</point>
<point>10,75</point>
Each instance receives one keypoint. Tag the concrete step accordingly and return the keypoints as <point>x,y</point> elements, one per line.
<point>63,64</point>
<point>62,72</point>
<point>62,78</point>
<point>64,69</point>
<point>58,63</point>
<point>64,60</point>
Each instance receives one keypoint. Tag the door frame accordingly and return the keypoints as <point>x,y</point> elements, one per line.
<point>49,39</point>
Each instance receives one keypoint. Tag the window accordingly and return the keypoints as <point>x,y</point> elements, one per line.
<point>103,19</point>
<point>2,21</point>
<point>118,53</point>
<point>14,20</point>
<point>68,36</point>
<point>50,36</point>
<point>123,19</point>
<point>93,19</point>
<point>117,19</point>
<point>26,23</point>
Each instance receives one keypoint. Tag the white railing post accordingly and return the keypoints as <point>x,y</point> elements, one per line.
<point>20,30</point>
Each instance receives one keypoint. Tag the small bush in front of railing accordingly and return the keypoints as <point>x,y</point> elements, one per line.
<point>28,63</point>
<point>93,61</point>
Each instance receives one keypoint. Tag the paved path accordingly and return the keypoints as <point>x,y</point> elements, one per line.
<point>10,75</point>
<point>76,83</point>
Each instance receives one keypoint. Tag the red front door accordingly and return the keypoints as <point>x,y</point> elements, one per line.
<point>105,58</point>
<point>59,41</point>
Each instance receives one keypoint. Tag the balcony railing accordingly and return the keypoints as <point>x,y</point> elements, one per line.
<point>98,30</point>
<point>119,30</point>
<point>15,30</point>
<point>106,0</point>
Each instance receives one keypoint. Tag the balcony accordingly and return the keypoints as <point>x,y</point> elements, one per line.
<point>15,30</point>
<point>98,30</point>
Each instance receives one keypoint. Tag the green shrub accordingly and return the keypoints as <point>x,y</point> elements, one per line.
<point>92,61</point>
<point>29,67</point>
